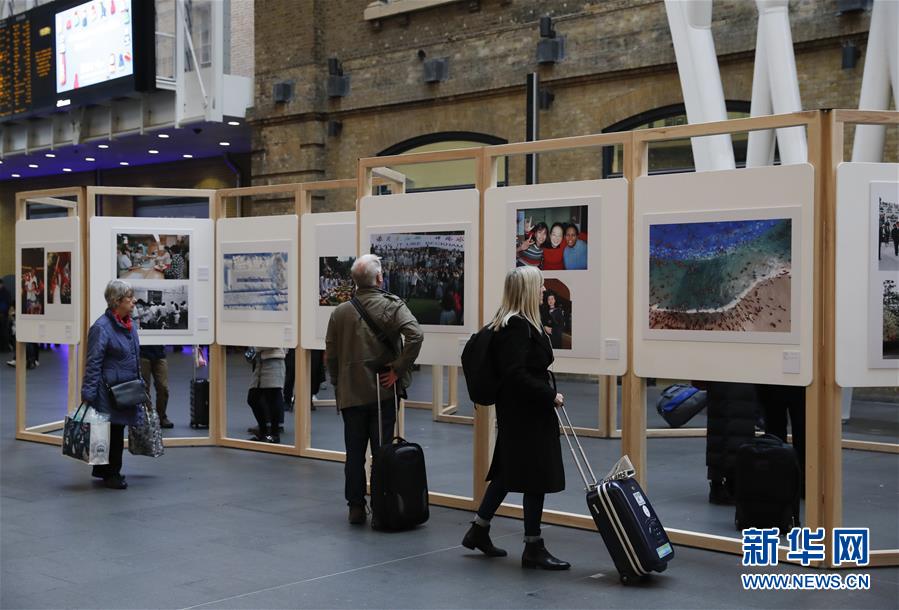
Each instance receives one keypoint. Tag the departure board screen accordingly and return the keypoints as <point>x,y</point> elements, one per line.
<point>69,53</point>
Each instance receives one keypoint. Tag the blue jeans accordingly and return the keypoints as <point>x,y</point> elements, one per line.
<point>360,428</point>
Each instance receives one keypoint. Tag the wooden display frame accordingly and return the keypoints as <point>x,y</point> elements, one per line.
<point>90,212</point>
<point>40,433</point>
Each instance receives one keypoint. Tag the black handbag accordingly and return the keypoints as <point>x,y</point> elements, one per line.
<point>128,395</point>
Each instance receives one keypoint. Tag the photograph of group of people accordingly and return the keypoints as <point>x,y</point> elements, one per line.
<point>553,239</point>
<point>555,313</point>
<point>884,275</point>
<point>59,289</point>
<point>335,286</point>
<point>427,270</point>
<point>152,256</point>
<point>163,307</point>
<point>34,286</point>
<point>888,243</point>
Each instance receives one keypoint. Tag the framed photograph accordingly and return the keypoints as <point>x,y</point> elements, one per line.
<point>33,288</point>
<point>883,276</point>
<point>723,276</point>
<point>889,348</point>
<point>256,281</point>
<point>152,256</point>
<point>335,285</point>
<point>556,313</point>
<point>162,307</point>
<point>552,238</point>
<point>427,270</point>
<point>59,274</point>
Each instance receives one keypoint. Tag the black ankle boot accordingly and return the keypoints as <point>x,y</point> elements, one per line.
<point>478,537</point>
<point>536,556</point>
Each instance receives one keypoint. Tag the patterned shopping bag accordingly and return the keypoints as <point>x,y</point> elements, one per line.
<point>145,437</point>
<point>85,436</point>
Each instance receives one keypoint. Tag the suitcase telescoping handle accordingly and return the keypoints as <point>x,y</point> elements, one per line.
<point>396,408</point>
<point>577,460</point>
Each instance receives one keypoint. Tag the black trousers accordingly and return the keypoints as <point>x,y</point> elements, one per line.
<point>116,447</point>
<point>532,503</point>
<point>360,429</point>
<point>268,408</point>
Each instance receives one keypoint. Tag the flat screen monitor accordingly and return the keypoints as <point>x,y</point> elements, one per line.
<point>94,44</point>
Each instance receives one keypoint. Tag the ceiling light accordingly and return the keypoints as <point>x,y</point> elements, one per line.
<point>89,159</point>
<point>234,123</point>
<point>16,175</point>
<point>102,145</point>
<point>123,163</point>
<point>163,135</point>
<point>50,156</point>
<point>1,162</point>
<point>188,156</point>
<point>67,169</point>
<point>224,143</point>
<point>32,165</point>
<point>153,151</point>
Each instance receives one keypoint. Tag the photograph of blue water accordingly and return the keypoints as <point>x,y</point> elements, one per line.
<point>721,275</point>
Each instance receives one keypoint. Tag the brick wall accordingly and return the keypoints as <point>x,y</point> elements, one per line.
<point>243,44</point>
<point>620,62</point>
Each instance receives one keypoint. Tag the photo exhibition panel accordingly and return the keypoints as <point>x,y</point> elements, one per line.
<point>428,244</point>
<point>258,281</point>
<point>867,274</point>
<point>329,250</point>
<point>48,280</point>
<point>723,278</point>
<point>168,262</point>
<point>576,233</point>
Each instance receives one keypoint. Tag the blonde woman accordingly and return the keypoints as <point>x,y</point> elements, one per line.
<point>528,455</point>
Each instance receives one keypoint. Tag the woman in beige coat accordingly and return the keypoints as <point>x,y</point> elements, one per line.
<point>266,396</point>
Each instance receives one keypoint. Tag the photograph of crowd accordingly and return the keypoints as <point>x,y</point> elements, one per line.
<point>427,270</point>
<point>335,286</point>
<point>162,307</point>
<point>554,239</point>
<point>152,256</point>
<point>721,276</point>
<point>890,320</point>
<point>256,281</point>
<point>887,218</point>
<point>33,281</point>
<point>59,266</point>
<point>555,313</point>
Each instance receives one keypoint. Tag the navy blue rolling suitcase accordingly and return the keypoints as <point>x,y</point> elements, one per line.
<point>624,517</point>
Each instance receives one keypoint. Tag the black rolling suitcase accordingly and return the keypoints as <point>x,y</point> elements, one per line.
<point>399,482</point>
<point>199,403</point>
<point>623,515</point>
<point>768,481</point>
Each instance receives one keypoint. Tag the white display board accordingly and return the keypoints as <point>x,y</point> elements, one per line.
<point>429,243</point>
<point>329,249</point>
<point>585,272</point>
<point>867,195</point>
<point>257,300</point>
<point>48,280</point>
<point>723,283</point>
<point>169,264</point>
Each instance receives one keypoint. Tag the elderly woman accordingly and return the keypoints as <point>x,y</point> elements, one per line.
<point>266,395</point>
<point>113,357</point>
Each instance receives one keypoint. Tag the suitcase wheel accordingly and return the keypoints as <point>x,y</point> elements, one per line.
<point>626,579</point>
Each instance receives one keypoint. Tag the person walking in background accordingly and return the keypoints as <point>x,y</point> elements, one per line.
<point>113,357</point>
<point>354,356</point>
<point>155,366</point>
<point>894,235</point>
<point>267,392</point>
<point>527,457</point>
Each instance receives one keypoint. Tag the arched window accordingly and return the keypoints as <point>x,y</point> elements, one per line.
<point>675,155</point>
<point>444,175</point>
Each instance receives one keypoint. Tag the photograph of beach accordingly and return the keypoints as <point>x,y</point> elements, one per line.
<point>721,276</point>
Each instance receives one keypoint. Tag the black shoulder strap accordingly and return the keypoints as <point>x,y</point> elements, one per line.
<point>380,334</point>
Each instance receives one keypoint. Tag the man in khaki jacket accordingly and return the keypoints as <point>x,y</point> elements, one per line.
<point>354,355</point>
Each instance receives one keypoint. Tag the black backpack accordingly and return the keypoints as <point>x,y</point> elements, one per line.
<point>768,485</point>
<point>480,374</point>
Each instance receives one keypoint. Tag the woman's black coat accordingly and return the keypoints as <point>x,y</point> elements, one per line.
<point>528,455</point>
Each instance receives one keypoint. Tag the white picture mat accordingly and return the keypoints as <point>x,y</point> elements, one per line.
<point>782,338</point>
<point>255,247</point>
<point>760,188</point>
<point>603,285</point>
<point>436,211</point>
<point>259,230</point>
<point>325,234</point>
<point>63,323</point>
<point>201,295</point>
<point>854,288</point>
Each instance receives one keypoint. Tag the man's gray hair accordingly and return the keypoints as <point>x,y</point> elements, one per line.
<point>116,290</point>
<point>365,271</point>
